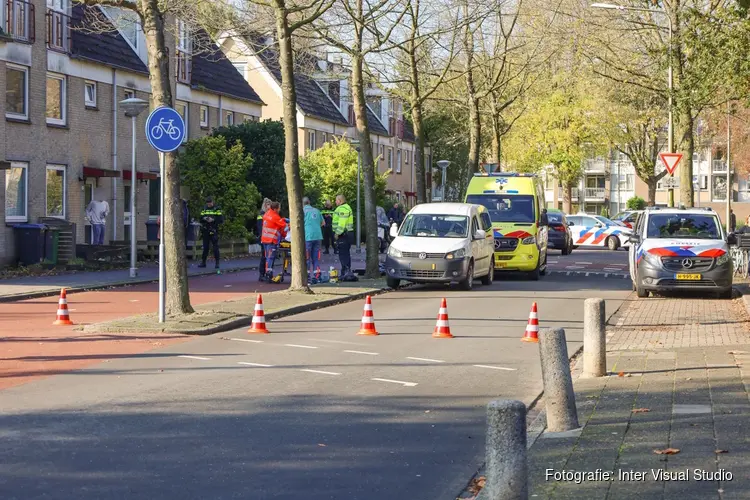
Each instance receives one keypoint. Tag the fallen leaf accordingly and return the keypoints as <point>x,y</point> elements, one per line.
<point>720,451</point>
<point>689,378</point>
<point>628,374</point>
<point>641,410</point>
<point>477,484</point>
<point>736,352</point>
<point>321,445</point>
<point>621,374</point>
<point>667,451</point>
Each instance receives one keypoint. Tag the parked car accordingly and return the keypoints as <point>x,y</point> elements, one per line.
<point>681,249</point>
<point>627,218</point>
<point>597,231</point>
<point>442,243</point>
<point>559,235</point>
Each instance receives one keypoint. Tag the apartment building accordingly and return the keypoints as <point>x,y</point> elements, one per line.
<point>325,109</point>
<point>64,139</point>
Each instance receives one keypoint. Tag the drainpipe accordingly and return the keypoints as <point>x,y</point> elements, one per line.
<point>114,154</point>
<point>221,113</point>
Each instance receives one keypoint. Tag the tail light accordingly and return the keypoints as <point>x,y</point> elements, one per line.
<point>559,228</point>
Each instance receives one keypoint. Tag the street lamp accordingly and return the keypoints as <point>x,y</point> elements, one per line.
<point>355,143</point>
<point>133,107</point>
<point>443,164</point>
<point>670,80</point>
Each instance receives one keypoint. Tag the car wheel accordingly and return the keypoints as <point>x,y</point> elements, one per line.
<point>534,275</point>
<point>613,243</point>
<point>565,250</point>
<point>640,292</point>
<point>468,283</point>
<point>487,280</point>
<point>725,294</point>
<point>392,282</point>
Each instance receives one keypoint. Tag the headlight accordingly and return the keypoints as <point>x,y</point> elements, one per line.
<point>652,259</point>
<point>530,240</point>
<point>723,259</point>
<point>456,254</point>
<point>394,252</point>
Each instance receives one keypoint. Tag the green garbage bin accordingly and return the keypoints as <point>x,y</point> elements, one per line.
<point>51,245</point>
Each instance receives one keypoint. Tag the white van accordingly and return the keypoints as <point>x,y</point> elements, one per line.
<point>442,243</point>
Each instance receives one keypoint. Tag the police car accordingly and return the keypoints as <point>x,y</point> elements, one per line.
<point>597,231</point>
<point>681,249</point>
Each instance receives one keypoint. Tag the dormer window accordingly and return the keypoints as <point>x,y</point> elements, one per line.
<point>17,20</point>
<point>58,26</point>
<point>184,53</point>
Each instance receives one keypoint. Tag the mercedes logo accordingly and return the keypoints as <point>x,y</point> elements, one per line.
<point>497,244</point>
<point>687,263</point>
<point>422,255</point>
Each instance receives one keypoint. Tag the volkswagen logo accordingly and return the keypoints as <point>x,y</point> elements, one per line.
<point>687,263</point>
<point>422,255</point>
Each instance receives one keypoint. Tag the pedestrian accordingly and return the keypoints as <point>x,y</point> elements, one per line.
<point>732,221</point>
<point>327,213</point>
<point>395,214</point>
<point>258,231</point>
<point>97,213</point>
<point>343,225</point>
<point>273,225</point>
<point>313,236</point>
<point>211,218</point>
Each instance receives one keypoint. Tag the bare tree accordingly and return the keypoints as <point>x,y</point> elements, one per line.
<point>154,16</point>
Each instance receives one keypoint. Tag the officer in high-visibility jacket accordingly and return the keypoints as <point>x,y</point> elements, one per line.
<point>211,218</point>
<point>343,230</point>
<point>273,225</point>
<point>259,231</point>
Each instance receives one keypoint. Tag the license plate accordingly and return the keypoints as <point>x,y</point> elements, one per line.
<point>422,266</point>
<point>500,265</point>
<point>688,277</point>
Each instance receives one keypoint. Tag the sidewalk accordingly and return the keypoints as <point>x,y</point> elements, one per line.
<point>676,406</point>
<point>42,286</point>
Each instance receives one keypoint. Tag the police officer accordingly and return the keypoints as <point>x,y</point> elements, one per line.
<point>211,219</point>
<point>327,213</point>
<point>343,227</point>
<point>259,232</point>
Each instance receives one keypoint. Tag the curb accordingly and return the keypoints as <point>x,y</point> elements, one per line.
<point>119,284</point>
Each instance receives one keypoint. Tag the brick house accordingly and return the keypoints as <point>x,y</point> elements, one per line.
<point>63,138</point>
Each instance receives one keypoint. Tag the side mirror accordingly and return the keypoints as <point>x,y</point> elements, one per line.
<point>394,231</point>
<point>732,239</point>
<point>598,224</point>
<point>544,220</point>
<point>480,235</point>
<point>634,238</point>
<point>570,224</point>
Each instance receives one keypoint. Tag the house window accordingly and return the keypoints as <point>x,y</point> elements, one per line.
<point>154,197</point>
<point>16,192</point>
<point>184,53</point>
<point>407,158</point>
<point>129,94</point>
<point>56,191</point>
<point>230,118</point>
<point>58,27</point>
<point>334,92</point>
<point>240,67</point>
<point>390,160</point>
<point>323,137</point>
<point>311,140</point>
<point>182,109</point>
<point>17,19</point>
<point>56,99</point>
<point>89,94</point>
<point>17,92</point>
<point>204,116</point>
<point>398,161</point>
<point>382,153</point>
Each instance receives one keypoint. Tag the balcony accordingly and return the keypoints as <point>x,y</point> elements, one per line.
<point>19,21</point>
<point>590,194</point>
<point>597,165</point>
<point>719,165</point>
<point>58,31</point>
<point>184,66</point>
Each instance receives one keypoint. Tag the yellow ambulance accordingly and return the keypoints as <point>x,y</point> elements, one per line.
<point>516,206</point>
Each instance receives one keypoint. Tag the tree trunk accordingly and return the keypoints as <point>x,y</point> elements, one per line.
<point>475,132</point>
<point>178,296</point>
<point>687,145</point>
<point>419,165</point>
<point>291,150</point>
<point>496,134</point>
<point>567,198</point>
<point>651,183</point>
<point>372,267</point>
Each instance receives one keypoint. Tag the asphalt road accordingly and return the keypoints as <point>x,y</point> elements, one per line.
<point>599,261</point>
<point>311,411</point>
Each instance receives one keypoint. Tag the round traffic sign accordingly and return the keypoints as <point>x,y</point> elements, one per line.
<point>165,129</point>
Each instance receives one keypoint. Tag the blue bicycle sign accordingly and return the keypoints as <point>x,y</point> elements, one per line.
<point>165,129</point>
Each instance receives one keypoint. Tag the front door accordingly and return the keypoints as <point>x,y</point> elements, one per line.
<point>88,196</point>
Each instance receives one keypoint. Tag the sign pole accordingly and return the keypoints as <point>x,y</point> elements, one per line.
<point>162,264</point>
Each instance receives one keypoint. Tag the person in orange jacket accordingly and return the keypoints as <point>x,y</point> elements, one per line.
<point>273,227</point>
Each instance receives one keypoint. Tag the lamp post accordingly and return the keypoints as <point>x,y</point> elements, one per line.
<point>355,143</point>
<point>443,164</point>
<point>729,169</point>
<point>133,107</point>
<point>670,79</point>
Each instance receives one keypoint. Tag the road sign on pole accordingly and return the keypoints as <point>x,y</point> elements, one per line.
<point>670,161</point>
<point>165,131</point>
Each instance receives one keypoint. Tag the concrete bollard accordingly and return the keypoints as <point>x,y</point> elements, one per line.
<point>594,339</point>
<point>559,398</point>
<point>506,451</point>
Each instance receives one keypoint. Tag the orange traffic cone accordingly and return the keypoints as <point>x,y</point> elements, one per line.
<point>63,317</point>
<point>532,328</point>
<point>368,321</point>
<point>442,328</point>
<point>259,318</point>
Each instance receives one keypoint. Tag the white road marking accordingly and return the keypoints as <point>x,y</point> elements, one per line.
<point>321,372</point>
<point>248,340</point>
<point>496,368</point>
<point>301,346</point>
<point>337,341</point>
<point>363,352</point>
<point>405,384</point>
<point>427,359</point>
<point>194,357</point>
<point>254,364</point>
<point>610,269</point>
<point>585,263</point>
<point>574,267</point>
<point>587,274</point>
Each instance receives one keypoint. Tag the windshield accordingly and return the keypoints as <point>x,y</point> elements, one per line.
<point>506,207</point>
<point>555,217</point>
<point>699,226</point>
<point>435,226</point>
<point>605,221</point>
